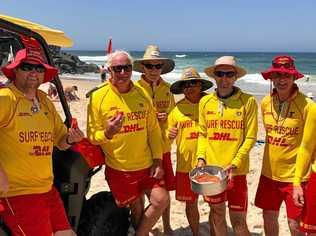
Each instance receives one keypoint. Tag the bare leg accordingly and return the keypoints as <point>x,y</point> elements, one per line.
<point>193,216</point>
<point>270,221</point>
<point>294,227</point>
<point>218,219</point>
<point>68,232</point>
<point>137,211</point>
<point>158,201</point>
<point>166,219</point>
<point>239,223</point>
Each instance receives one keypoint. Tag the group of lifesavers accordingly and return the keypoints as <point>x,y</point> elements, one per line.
<point>135,125</point>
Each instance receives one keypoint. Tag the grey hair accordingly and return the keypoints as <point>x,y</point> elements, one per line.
<point>114,54</point>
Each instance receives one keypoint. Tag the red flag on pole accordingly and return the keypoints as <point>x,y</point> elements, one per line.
<point>109,49</point>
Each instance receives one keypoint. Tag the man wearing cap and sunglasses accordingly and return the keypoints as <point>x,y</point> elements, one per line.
<point>183,126</point>
<point>228,130</point>
<point>29,128</point>
<point>152,66</point>
<point>122,120</point>
<point>284,113</point>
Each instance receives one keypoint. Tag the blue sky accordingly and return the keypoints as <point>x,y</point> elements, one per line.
<point>200,25</point>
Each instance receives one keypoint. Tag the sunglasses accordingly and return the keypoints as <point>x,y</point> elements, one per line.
<point>151,66</point>
<point>276,75</point>
<point>189,84</point>
<point>284,65</point>
<point>120,68</point>
<point>221,74</point>
<point>29,67</point>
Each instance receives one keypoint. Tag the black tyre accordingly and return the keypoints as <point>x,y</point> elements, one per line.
<point>100,216</point>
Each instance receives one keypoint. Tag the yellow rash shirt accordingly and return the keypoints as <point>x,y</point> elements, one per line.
<point>284,124</point>
<point>306,155</point>
<point>27,140</point>
<point>163,101</point>
<point>228,130</point>
<point>185,117</point>
<point>139,140</point>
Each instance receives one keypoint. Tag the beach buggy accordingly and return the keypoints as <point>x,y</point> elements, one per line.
<point>74,167</point>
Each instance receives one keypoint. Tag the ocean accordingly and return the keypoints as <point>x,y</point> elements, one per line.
<point>253,62</point>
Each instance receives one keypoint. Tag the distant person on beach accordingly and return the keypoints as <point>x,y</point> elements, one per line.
<point>227,132</point>
<point>183,127</point>
<point>103,72</point>
<point>52,91</point>
<point>310,95</point>
<point>122,120</point>
<point>71,93</point>
<point>284,113</point>
<point>305,196</point>
<point>29,128</point>
<point>307,79</point>
<point>152,66</point>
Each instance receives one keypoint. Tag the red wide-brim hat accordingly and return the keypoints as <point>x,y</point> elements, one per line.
<point>31,54</point>
<point>280,61</point>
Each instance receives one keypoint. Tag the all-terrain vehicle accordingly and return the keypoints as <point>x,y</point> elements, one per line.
<point>97,215</point>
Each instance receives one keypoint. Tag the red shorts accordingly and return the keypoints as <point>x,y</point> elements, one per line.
<point>170,179</point>
<point>271,194</point>
<point>236,195</point>
<point>35,214</point>
<point>308,220</point>
<point>127,186</point>
<point>183,188</point>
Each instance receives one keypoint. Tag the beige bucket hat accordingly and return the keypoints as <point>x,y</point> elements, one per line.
<point>189,74</point>
<point>225,60</point>
<point>152,52</point>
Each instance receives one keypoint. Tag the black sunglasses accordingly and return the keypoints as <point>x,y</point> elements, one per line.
<point>119,68</point>
<point>284,65</point>
<point>29,67</point>
<point>221,74</point>
<point>191,83</point>
<point>151,66</point>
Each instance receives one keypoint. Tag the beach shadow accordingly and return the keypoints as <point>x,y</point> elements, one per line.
<point>204,231</point>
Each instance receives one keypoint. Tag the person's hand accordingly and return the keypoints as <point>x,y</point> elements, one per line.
<point>74,135</point>
<point>229,171</point>
<point>162,116</point>
<point>201,162</point>
<point>156,169</point>
<point>173,132</point>
<point>114,125</point>
<point>298,196</point>
<point>4,182</point>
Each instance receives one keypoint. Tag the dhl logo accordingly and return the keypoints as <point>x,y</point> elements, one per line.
<point>277,141</point>
<point>131,128</point>
<point>222,137</point>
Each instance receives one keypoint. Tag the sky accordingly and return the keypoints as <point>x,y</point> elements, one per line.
<point>177,25</point>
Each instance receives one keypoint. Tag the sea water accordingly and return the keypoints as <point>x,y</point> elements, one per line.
<point>253,62</point>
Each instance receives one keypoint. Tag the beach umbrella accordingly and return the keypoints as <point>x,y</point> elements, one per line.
<point>52,36</point>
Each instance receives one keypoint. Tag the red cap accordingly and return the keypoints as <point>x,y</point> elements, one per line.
<point>283,64</point>
<point>32,54</point>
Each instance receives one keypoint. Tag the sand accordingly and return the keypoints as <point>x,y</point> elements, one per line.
<point>178,219</point>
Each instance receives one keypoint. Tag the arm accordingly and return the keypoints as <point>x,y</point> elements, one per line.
<point>250,134</point>
<point>202,140</point>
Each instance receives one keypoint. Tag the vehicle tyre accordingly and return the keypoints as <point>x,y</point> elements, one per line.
<point>100,216</point>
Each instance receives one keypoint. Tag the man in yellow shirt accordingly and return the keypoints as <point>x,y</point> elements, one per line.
<point>122,120</point>
<point>284,113</point>
<point>29,128</point>
<point>228,131</point>
<point>183,126</point>
<point>306,159</point>
<point>152,66</point>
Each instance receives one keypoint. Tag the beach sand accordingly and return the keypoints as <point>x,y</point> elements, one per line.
<point>178,218</point>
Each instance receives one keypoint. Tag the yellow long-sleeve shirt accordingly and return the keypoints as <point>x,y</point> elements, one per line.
<point>163,101</point>
<point>306,156</point>
<point>228,130</point>
<point>185,117</point>
<point>27,140</point>
<point>284,124</point>
<point>139,140</point>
